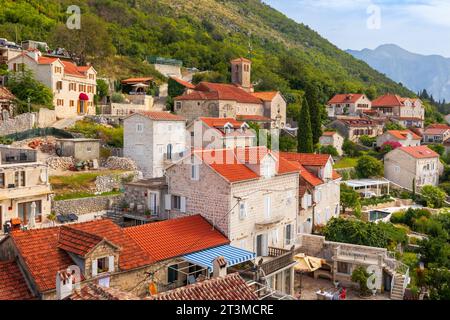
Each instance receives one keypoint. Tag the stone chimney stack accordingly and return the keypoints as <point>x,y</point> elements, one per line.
<point>219,267</point>
<point>67,281</point>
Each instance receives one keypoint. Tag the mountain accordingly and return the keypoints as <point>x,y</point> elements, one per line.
<point>204,34</point>
<point>415,71</point>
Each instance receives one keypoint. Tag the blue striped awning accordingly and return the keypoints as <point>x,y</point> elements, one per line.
<point>231,254</point>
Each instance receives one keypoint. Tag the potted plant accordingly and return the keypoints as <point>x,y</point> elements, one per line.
<point>360,276</point>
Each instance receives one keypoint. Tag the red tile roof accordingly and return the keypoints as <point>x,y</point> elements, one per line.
<point>160,116</point>
<point>345,98</point>
<point>435,131</point>
<point>43,258</point>
<point>231,164</point>
<point>173,238</point>
<point>220,122</point>
<point>403,134</point>
<point>77,241</point>
<point>241,59</point>
<point>137,80</point>
<point>183,83</point>
<point>419,152</point>
<point>93,291</point>
<point>5,94</point>
<point>12,283</point>
<point>329,133</point>
<point>46,60</point>
<point>220,91</point>
<point>265,96</point>
<point>358,122</point>
<point>72,69</point>
<point>231,287</point>
<point>439,126</point>
<point>388,100</point>
<point>307,159</point>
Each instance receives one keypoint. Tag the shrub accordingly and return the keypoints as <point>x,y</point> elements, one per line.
<point>433,196</point>
<point>360,276</point>
<point>328,150</point>
<point>368,141</point>
<point>368,166</point>
<point>117,97</point>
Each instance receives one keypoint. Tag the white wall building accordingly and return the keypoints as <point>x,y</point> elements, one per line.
<point>153,140</point>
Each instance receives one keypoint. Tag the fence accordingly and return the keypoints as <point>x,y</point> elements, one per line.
<point>39,132</point>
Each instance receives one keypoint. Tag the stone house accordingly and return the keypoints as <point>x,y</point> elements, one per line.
<point>354,128</point>
<point>254,202</point>
<point>220,133</point>
<point>7,104</point>
<point>334,139</point>
<point>81,149</point>
<point>73,86</point>
<point>234,100</point>
<point>153,140</point>
<point>407,112</point>
<point>348,104</point>
<point>408,166</point>
<point>24,188</point>
<point>436,134</point>
<point>52,259</point>
<point>406,138</point>
<point>319,189</point>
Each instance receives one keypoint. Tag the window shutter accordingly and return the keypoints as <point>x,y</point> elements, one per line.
<point>167,202</point>
<point>94,268</point>
<point>265,246</point>
<point>111,264</point>
<point>267,204</point>
<point>183,204</point>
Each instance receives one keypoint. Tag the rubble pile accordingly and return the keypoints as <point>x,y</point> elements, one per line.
<point>117,163</point>
<point>60,163</point>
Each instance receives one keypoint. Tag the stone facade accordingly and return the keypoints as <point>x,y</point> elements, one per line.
<point>85,205</point>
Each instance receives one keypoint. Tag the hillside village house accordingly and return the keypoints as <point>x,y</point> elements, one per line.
<point>354,128</point>
<point>24,189</point>
<point>7,104</point>
<point>220,133</point>
<point>73,86</point>
<point>153,140</point>
<point>407,112</point>
<point>101,253</point>
<point>406,138</point>
<point>249,194</point>
<point>436,134</point>
<point>348,104</point>
<point>334,139</point>
<point>319,195</point>
<point>408,166</point>
<point>235,100</point>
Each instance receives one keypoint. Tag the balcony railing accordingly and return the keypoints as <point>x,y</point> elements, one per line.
<point>277,259</point>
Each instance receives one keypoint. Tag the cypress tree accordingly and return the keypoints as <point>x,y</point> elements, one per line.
<point>312,96</point>
<point>304,134</point>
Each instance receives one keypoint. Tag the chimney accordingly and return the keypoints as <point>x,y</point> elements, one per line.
<point>67,281</point>
<point>219,267</point>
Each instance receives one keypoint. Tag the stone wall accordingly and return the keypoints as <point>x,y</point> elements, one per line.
<point>108,183</point>
<point>46,117</point>
<point>85,205</point>
<point>22,122</point>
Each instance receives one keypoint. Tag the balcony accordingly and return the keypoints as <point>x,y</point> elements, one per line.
<point>268,221</point>
<point>277,259</point>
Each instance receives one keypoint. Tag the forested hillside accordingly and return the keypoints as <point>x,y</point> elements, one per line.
<point>117,35</point>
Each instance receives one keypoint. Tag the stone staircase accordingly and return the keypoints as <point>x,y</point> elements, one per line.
<point>115,216</point>
<point>397,290</point>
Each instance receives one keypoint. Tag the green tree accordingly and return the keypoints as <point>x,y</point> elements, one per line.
<point>312,97</point>
<point>288,143</point>
<point>24,86</point>
<point>102,90</point>
<point>438,148</point>
<point>349,198</point>
<point>90,41</point>
<point>433,196</point>
<point>350,148</point>
<point>368,166</point>
<point>305,135</point>
<point>360,276</point>
<point>438,280</point>
<point>328,150</point>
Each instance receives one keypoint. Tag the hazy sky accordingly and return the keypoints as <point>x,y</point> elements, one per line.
<point>421,26</point>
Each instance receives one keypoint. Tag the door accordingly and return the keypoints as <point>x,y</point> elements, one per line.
<point>262,249</point>
<point>153,204</point>
<point>1,218</point>
<point>169,151</point>
<point>24,211</point>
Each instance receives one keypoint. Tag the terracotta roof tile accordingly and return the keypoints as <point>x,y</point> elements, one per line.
<point>176,237</point>
<point>419,152</point>
<point>403,134</point>
<point>161,116</point>
<point>93,291</point>
<point>439,126</point>
<point>137,80</point>
<point>183,83</point>
<point>12,283</point>
<point>345,98</point>
<point>388,100</point>
<point>77,241</point>
<point>5,94</point>
<point>329,133</point>
<point>219,124</point>
<point>43,258</point>
<point>266,96</point>
<point>307,159</point>
<point>230,287</point>
<point>72,69</point>
<point>241,59</point>
<point>436,131</point>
